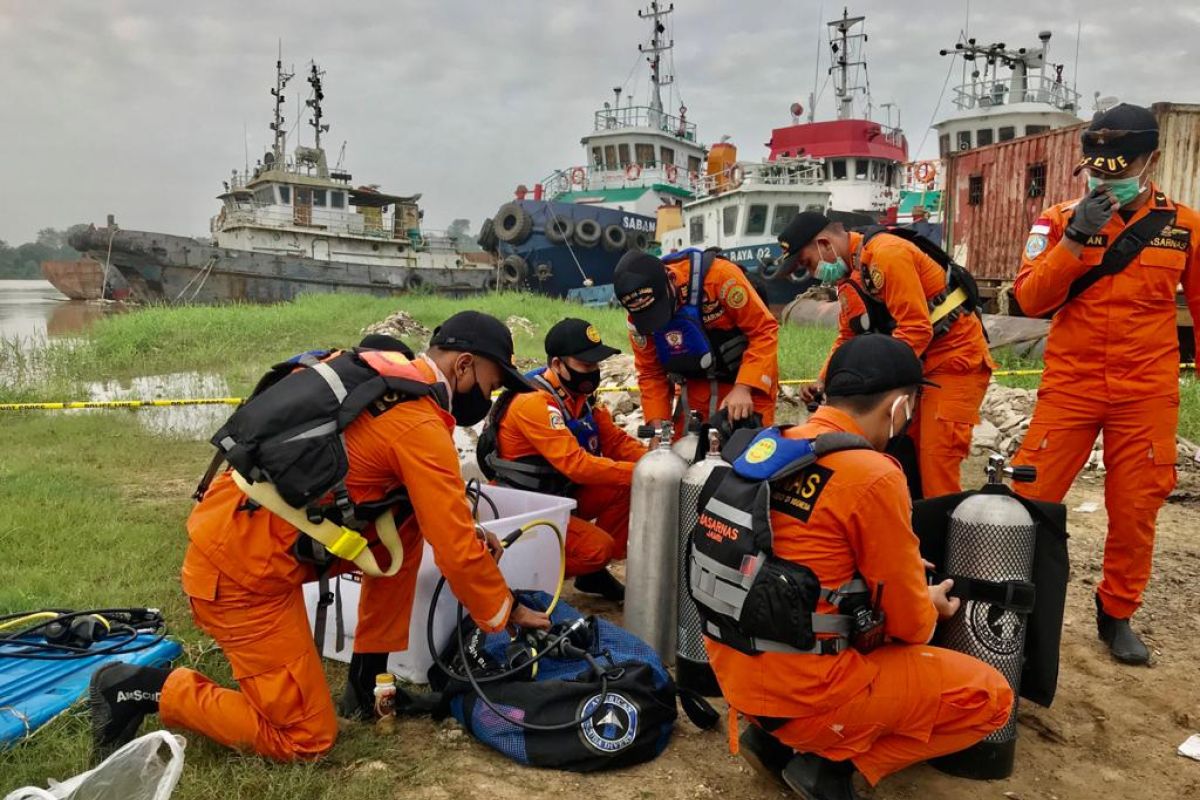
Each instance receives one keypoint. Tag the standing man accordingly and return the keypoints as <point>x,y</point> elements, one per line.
<point>244,581</point>
<point>558,441</point>
<point>923,227</point>
<point>1107,267</point>
<point>887,285</point>
<point>697,323</point>
<point>846,520</point>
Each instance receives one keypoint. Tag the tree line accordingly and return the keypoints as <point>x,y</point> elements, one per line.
<point>23,261</point>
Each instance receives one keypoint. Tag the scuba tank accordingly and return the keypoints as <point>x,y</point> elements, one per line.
<point>990,540</point>
<point>692,670</point>
<point>688,446</point>
<point>651,571</point>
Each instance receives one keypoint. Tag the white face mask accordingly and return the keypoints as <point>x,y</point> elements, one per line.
<point>909,402</point>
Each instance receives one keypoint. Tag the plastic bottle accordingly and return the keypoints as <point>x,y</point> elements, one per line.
<point>385,696</point>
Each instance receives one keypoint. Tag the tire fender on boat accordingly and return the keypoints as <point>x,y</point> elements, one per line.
<point>559,229</point>
<point>587,233</point>
<point>513,270</point>
<point>512,223</point>
<point>615,238</point>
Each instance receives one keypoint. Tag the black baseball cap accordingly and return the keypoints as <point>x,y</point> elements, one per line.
<point>800,231</point>
<point>381,341</point>
<point>873,363</point>
<point>640,284</point>
<point>482,335</point>
<point>1116,138</point>
<point>577,338</point>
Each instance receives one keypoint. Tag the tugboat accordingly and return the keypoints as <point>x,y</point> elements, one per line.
<point>291,225</point>
<point>569,232</point>
<point>850,168</point>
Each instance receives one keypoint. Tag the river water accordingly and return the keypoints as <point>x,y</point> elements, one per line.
<point>32,311</point>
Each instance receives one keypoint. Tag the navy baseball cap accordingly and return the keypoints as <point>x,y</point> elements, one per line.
<point>873,363</point>
<point>577,338</point>
<point>803,228</point>
<point>1116,138</point>
<point>482,335</point>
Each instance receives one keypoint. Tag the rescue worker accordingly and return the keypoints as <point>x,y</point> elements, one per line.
<point>847,517</point>
<point>558,441</point>
<point>245,585</point>
<point>1112,357</point>
<point>696,322</point>
<point>904,288</point>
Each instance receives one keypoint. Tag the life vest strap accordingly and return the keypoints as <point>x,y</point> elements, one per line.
<point>953,301</point>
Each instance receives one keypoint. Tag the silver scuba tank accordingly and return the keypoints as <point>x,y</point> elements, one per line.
<point>692,670</point>
<point>991,537</point>
<point>651,571</point>
<point>688,445</point>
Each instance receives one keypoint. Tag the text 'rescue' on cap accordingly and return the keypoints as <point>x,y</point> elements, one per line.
<point>1116,138</point>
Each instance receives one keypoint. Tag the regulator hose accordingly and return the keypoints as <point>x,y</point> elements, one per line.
<point>25,634</point>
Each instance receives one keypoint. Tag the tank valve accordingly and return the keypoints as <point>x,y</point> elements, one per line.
<point>997,471</point>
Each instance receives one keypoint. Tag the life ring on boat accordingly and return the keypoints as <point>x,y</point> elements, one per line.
<point>737,176</point>
<point>578,175</point>
<point>633,172</point>
<point>694,178</point>
<point>672,172</point>
<point>638,240</point>
<point>925,172</point>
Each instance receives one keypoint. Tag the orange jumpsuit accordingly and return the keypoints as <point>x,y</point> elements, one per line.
<point>902,703</point>
<point>1112,365</point>
<point>534,426</point>
<point>245,591</point>
<point>905,279</point>
<point>729,301</point>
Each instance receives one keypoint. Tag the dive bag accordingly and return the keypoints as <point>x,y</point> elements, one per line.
<point>685,347</point>
<point>747,597</point>
<point>629,725</point>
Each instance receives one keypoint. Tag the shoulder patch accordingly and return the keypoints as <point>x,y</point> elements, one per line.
<point>557,423</point>
<point>876,280</point>
<point>1035,245</point>
<point>797,496</point>
<point>736,297</point>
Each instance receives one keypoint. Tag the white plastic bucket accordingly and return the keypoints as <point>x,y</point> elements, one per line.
<point>531,563</point>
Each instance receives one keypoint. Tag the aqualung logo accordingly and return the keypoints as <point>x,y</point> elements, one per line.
<point>996,628</point>
<point>610,723</point>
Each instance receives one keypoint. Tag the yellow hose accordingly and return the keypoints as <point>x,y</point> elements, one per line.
<point>562,556</point>
<point>19,622</point>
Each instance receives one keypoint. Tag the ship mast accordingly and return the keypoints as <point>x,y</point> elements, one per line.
<point>281,80</point>
<point>847,49</point>
<point>314,80</point>
<point>653,51</point>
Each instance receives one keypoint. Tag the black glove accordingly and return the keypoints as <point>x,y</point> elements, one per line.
<point>1091,215</point>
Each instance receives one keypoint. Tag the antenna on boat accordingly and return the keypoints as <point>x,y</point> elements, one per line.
<point>812,98</point>
<point>847,55</point>
<point>653,52</point>
<point>281,80</point>
<point>314,102</point>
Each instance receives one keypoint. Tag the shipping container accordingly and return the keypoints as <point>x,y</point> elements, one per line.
<point>994,193</point>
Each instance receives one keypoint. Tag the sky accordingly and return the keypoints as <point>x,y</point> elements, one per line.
<point>141,108</point>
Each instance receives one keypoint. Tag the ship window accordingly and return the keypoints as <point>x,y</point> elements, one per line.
<point>610,156</point>
<point>860,168</point>
<point>1036,175</point>
<point>839,169</point>
<point>730,216</point>
<point>668,156</point>
<point>983,136</point>
<point>264,197</point>
<point>820,209</point>
<point>1006,133</point>
<point>623,155</point>
<point>944,145</point>
<point>756,220</point>
<point>1031,130</point>
<point>696,230</point>
<point>975,190</point>
<point>285,195</point>
<point>337,199</point>
<point>964,140</point>
<point>598,158</point>
<point>644,154</point>
<point>694,165</point>
<point>783,215</point>
<point>319,197</point>
<point>891,174</point>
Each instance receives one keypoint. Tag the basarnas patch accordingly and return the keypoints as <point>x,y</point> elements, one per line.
<point>798,496</point>
<point>1035,245</point>
<point>610,723</point>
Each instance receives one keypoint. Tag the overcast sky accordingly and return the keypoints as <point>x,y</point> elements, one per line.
<point>137,107</point>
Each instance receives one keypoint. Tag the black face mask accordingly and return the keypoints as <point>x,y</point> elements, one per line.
<point>470,407</point>
<point>580,381</point>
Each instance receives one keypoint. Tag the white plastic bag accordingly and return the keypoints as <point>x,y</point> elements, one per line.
<point>138,771</point>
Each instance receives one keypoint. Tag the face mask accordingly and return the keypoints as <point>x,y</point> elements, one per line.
<point>471,406</point>
<point>894,434</point>
<point>579,381</point>
<point>1126,190</point>
<point>829,272</point>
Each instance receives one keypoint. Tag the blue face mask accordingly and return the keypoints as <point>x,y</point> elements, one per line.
<point>830,272</point>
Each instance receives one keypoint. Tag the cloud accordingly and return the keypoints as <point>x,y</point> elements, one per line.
<point>137,107</point>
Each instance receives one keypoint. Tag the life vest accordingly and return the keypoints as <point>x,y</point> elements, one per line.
<point>747,597</point>
<point>961,295</point>
<point>534,473</point>
<point>684,347</point>
<point>286,447</point>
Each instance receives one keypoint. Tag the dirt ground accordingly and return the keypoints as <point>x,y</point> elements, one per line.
<point>1112,730</point>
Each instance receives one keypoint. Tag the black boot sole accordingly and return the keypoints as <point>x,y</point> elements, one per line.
<point>753,755</point>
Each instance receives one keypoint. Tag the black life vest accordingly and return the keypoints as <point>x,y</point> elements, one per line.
<point>747,597</point>
<point>534,473</point>
<point>961,295</point>
<point>687,349</point>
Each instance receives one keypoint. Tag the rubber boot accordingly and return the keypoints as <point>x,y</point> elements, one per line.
<point>1125,645</point>
<point>358,698</point>
<point>765,753</point>
<point>119,698</point>
<point>602,583</point>
<point>816,778</point>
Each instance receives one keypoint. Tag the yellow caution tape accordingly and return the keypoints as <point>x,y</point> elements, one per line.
<point>233,401</point>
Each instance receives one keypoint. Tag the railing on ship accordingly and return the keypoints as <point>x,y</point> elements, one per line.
<point>609,119</point>
<point>803,172</point>
<point>334,223</point>
<point>781,172</point>
<point>1038,89</point>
